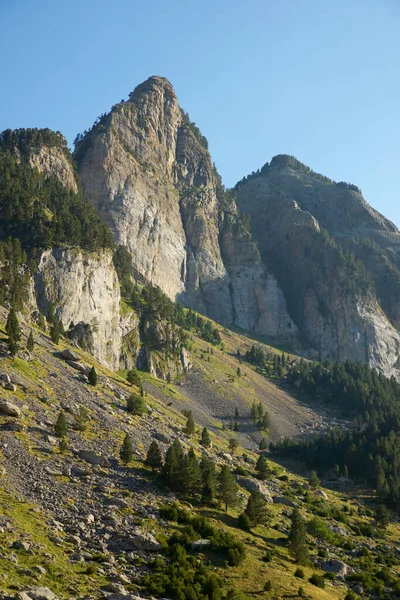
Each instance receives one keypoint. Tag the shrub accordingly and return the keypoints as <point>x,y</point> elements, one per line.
<point>299,573</point>
<point>317,580</point>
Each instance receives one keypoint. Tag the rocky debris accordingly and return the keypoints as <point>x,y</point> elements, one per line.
<point>78,367</point>
<point>145,541</point>
<point>252,485</point>
<point>78,471</point>
<point>198,545</point>
<point>285,501</point>
<point>321,494</point>
<point>69,355</point>
<point>92,458</point>
<point>12,426</point>
<point>37,593</point>
<point>5,378</point>
<point>161,437</point>
<point>9,409</point>
<point>335,566</point>
<point>339,530</point>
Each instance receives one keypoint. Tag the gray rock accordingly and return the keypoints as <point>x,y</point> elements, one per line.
<point>68,354</point>
<point>335,566</point>
<point>321,494</point>
<point>285,501</point>
<point>252,485</point>
<point>161,437</point>
<point>41,593</point>
<point>9,409</point>
<point>145,541</point>
<point>91,457</point>
<point>198,545</point>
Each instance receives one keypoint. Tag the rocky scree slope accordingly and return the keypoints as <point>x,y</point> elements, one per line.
<point>81,524</point>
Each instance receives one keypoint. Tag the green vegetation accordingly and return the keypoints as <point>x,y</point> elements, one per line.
<point>36,208</point>
<point>126,451</point>
<point>194,129</point>
<point>61,427</point>
<point>136,405</point>
<point>92,378</point>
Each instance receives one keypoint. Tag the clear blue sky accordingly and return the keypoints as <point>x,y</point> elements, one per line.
<point>319,79</point>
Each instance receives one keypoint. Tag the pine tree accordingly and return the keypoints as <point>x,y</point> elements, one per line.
<point>231,424</point>
<point>205,438</point>
<point>30,344</point>
<point>262,468</point>
<point>60,427</point>
<point>209,479</point>
<point>173,462</point>
<point>12,347</point>
<point>238,372</point>
<point>297,538</point>
<point>228,491</point>
<point>63,445</point>
<point>260,411</point>
<point>55,332</point>
<point>265,422</point>
<point>263,444</point>
<point>189,480</point>
<point>256,509</point>
<point>81,419</point>
<point>136,405</point>
<point>235,425</point>
<point>133,377</point>
<point>313,480</point>
<point>190,426</point>
<point>92,376</point>
<point>12,326</point>
<point>126,451</point>
<point>236,413</point>
<point>50,313</point>
<point>154,457</point>
<point>233,444</point>
<point>253,413</point>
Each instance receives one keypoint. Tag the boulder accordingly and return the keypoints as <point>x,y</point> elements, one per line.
<point>39,593</point>
<point>339,530</point>
<point>5,378</point>
<point>335,566</point>
<point>77,471</point>
<point>68,354</point>
<point>145,541</point>
<point>161,437</point>
<point>13,426</point>
<point>9,409</point>
<point>321,494</point>
<point>91,457</point>
<point>200,544</point>
<point>285,501</point>
<point>252,485</point>
<point>78,367</point>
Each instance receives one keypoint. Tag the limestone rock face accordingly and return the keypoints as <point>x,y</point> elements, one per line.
<point>53,161</point>
<point>83,288</point>
<point>334,258</point>
<point>148,172</point>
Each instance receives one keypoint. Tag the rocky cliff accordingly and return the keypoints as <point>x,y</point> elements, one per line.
<point>147,170</point>
<point>334,257</point>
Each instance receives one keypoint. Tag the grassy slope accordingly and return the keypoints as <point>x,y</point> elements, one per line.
<point>46,376</point>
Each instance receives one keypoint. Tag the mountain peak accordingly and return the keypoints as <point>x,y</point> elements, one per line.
<point>153,83</point>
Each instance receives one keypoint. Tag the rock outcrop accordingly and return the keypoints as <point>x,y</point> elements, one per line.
<point>147,170</point>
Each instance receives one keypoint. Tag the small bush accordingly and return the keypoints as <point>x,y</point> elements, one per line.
<point>317,580</point>
<point>299,573</point>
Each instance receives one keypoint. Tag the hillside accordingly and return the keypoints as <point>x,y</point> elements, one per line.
<point>77,527</point>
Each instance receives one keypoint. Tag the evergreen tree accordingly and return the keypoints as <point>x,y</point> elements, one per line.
<point>238,372</point>
<point>126,451</point>
<point>55,332</point>
<point>190,480</point>
<point>30,344</point>
<point>313,480</point>
<point>133,377</point>
<point>254,413</point>
<point>81,419</point>
<point>236,413</point>
<point>209,479</point>
<point>233,444</point>
<point>173,462</point>
<point>265,421</point>
<point>136,405</point>
<point>154,457</point>
<point>263,444</point>
<point>92,376</point>
<point>63,445</point>
<point>231,424</point>
<point>262,468</point>
<point>205,438</point>
<point>235,425</point>
<point>12,347</point>
<point>60,427</point>
<point>12,326</point>
<point>228,491</point>
<point>297,538</point>
<point>256,509</point>
<point>50,313</point>
<point>190,426</point>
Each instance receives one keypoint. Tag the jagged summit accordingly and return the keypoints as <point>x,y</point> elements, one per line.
<point>151,84</point>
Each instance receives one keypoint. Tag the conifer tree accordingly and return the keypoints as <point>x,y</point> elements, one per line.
<point>228,491</point>
<point>136,405</point>
<point>30,344</point>
<point>92,376</point>
<point>12,326</point>
<point>265,421</point>
<point>256,509</point>
<point>236,413</point>
<point>55,332</point>
<point>209,479</point>
<point>126,451</point>
<point>190,426</point>
<point>263,444</point>
<point>12,347</point>
<point>297,538</point>
<point>254,412</point>
<point>235,425</point>
<point>189,479</point>
<point>154,457</point>
<point>238,372</point>
<point>313,480</point>
<point>63,445</point>
<point>60,427</point>
<point>233,444</point>
<point>205,438</point>
<point>50,313</point>
<point>262,467</point>
<point>173,462</point>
